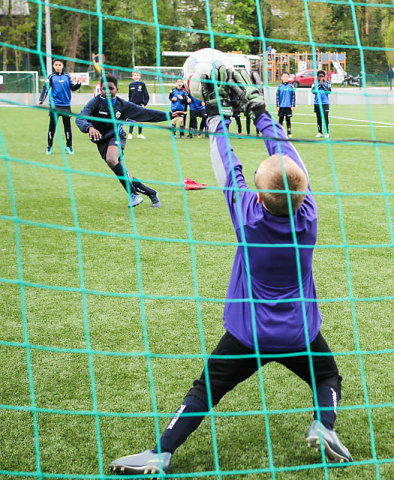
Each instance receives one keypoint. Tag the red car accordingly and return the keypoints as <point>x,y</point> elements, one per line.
<point>303,79</point>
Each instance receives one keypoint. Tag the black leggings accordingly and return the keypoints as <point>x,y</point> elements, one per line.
<point>52,128</point>
<point>193,122</point>
<point>288,122</point>
<point>225,374</point>
<point>325,109</point>
<point>238,121</point>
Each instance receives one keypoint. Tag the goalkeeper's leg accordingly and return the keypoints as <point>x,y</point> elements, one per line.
<point>224,375</point>
<point>328,393</point>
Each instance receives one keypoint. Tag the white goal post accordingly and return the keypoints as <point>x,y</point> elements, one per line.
<point>19,87</point>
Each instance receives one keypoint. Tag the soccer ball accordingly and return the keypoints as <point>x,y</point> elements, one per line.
<point>200,63</point>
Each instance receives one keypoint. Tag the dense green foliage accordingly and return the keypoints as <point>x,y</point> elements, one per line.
<point>241,25</point>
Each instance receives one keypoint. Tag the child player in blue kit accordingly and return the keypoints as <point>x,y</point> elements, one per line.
<point>285,101</point>
<point>60,85</point>
<point>266,310</point>
<point>138,94</point>
<point>321,89</point>
<point>179,99</point>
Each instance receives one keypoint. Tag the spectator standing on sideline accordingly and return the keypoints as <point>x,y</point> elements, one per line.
<point>179,99</point>
<point>138,94</point>
<point>321,89</point>
<point>285,101</point>
<point>60,85</point>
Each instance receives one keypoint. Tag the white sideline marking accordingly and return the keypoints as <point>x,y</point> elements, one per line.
<point>385,125</point>
<point>350,119</point>
<point>343,125</point>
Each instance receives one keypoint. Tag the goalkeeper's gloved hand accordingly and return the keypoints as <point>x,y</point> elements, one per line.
<point>222,76</point>
<point>253,103</point>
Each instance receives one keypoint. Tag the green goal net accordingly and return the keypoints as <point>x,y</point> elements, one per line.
<point>109,313</point>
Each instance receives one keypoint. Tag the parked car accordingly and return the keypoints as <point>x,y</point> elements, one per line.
<point>303,79</point>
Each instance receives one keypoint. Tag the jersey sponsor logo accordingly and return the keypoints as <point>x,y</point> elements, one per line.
<point>176,416</point>
<point>103,113</point>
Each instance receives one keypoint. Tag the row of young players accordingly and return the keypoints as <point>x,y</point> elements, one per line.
<point>285,104</point>
<point>180,99</point>
<point>286,99</point>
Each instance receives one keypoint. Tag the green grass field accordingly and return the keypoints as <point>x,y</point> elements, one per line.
<point>98,300</point>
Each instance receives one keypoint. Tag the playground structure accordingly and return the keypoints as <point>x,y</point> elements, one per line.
<point>279,62</point>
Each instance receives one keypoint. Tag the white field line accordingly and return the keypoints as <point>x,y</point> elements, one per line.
<point>344,125</point>
<point>350,119</point>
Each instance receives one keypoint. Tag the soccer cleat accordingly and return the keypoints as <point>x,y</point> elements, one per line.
<point>48,151</point>
<point>155,201</point>
<point>190,136</point>
<point>289,135</point>
<point>130,136</point>
<point>135,200</point>
<point>69,150</point>
<point>327,135</point>
<point>334,451</point>
<point>141,137</point>
<point>199,136</point>
<point>145,462</point>
<point>192,185</point>
<point>318,135</point>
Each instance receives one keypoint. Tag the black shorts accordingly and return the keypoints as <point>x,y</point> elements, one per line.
<point>103,146</point>
<point>285,112</point>
<point>226,373</point>
<point>61,111</point>
<point>325,107</point>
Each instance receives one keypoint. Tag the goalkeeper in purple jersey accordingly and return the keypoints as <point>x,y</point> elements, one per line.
<point>271,303</point>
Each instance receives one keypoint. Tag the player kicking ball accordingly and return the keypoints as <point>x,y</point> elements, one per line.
<point>102,133</point>
<point>281,324</point>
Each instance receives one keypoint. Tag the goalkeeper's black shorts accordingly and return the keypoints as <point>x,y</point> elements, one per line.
<point>227,373</point>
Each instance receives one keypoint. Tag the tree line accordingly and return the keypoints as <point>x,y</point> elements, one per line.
<point>248,26</point>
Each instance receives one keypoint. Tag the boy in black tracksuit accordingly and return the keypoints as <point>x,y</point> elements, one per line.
<point>139,95</point>
<point>61,85</point>
<point>103,134</point>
